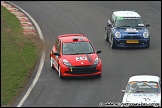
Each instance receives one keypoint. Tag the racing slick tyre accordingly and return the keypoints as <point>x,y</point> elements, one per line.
<point>148,45</point>
<point>106,36</point>
<point>112,44</point>
<point>60,75</point>
<point>99,76</point>
<point>51,63</point>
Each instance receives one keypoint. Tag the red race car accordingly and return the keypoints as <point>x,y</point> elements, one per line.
<point>74,55</point>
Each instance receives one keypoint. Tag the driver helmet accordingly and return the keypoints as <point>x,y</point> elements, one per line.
<point>133,87</point>
<point>66,47</point>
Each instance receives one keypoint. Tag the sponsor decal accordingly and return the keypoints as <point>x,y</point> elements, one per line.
<point>123,18</point>
<point>119,18</point>
<point>132,18</point>
<point>143,95</point>
<point>131,30</point>
<point>54,62</point>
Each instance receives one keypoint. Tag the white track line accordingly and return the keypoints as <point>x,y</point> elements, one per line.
<point>41,61</point>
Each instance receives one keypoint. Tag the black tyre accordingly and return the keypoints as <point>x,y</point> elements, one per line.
<point>113,46</point>
<point>99,76</point>
<point>60,74</point>
<point>106,35</point>
<point>148,45</point>
<point>51,63</point>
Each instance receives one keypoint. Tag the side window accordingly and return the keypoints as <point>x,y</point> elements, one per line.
<point>113,22</point>
<point>57,45</point>
<point>110,20</point>
<point>113,19</point>
<point>160,83</point>
<point>128,88</point>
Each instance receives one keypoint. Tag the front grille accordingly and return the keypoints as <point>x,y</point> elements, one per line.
<point>82,70</point>
<point>132,37</point>
<point>132,44</point>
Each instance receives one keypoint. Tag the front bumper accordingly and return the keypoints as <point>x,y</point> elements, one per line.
<point>123,43</point>
<point>82,70</point>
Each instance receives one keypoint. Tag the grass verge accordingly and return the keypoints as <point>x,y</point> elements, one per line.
<point>18,57</point>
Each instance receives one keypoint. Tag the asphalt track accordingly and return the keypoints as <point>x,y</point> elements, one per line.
<point>89,18</point>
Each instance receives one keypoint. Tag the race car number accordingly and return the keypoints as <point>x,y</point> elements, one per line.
<point>81,58</point>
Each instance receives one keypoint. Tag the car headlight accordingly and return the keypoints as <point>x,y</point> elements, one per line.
<point>96,61</point>
<point>65,62</point>
<point>145,34</point>
<point>117,34</point>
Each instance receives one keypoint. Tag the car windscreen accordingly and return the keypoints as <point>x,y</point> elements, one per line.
<point>77,48</point>
<point>128,22</point>
<point>143,87</point>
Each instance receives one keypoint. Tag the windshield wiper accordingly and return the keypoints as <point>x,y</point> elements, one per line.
<point>84,53</point>
<point>74,54</point>
<point>81,53</point>
<point>123,26</point>
<point>137,26</point>
<point>139,91</point>
<point>148,85</point>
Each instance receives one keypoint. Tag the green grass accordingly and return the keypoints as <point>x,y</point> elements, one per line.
<point>18,58</point>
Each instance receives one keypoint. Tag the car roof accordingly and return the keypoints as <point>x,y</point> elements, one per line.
<point>144,78</point>
<point>126,14</point>
<point>72,37</point>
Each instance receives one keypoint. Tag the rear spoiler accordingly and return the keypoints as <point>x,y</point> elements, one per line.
<point>66,35</point>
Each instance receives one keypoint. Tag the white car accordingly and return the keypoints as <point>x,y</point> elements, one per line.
<point>142,90</point>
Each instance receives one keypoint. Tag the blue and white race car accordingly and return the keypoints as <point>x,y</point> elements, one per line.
<point>142,90</point>
<point>126,29</point>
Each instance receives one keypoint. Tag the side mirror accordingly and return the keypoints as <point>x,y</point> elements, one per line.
<point>123,91</point>
<point>98,52</point>
<point>56,53</point>
<point>108,24</point>
<point>147,25</point>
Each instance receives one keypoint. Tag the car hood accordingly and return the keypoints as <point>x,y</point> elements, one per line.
<point>142,98</point>
<point>81,59</point>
